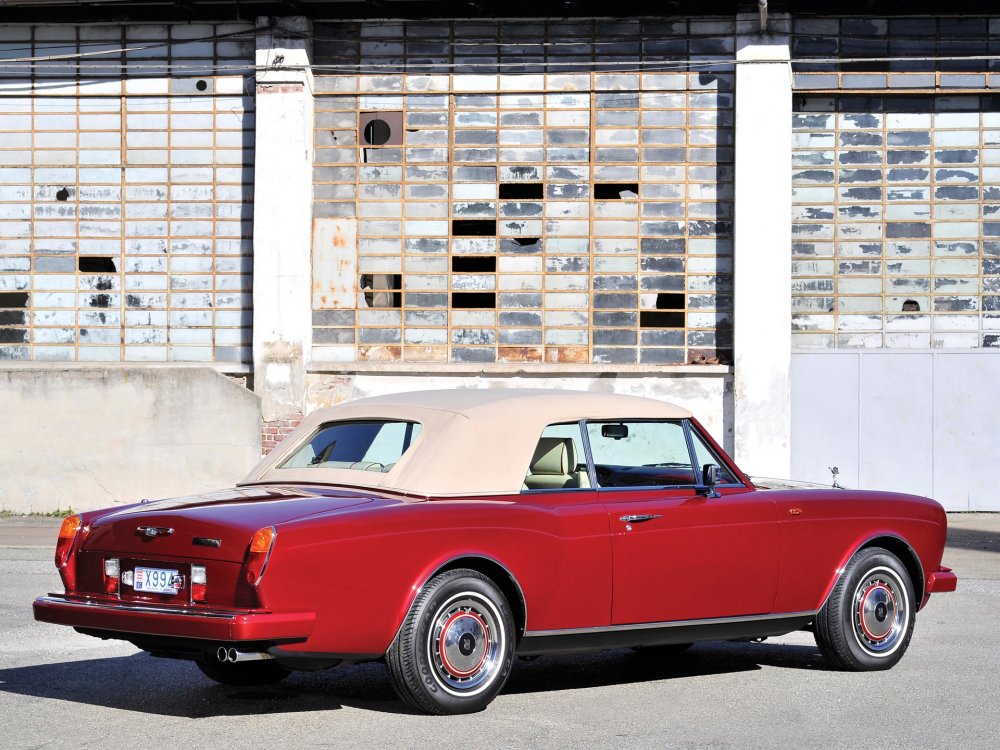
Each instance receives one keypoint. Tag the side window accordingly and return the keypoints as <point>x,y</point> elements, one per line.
<point>705,455</point>
<point>558,461</point>
<point>640,454</point>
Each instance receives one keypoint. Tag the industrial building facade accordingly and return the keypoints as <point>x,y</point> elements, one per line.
<point>788,223</point>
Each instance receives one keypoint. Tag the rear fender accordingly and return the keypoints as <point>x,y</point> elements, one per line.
<point>483,563</point>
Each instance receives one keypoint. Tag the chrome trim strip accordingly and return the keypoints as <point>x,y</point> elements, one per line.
<point>140,608</point>
<point>588,455</point>
<point>668,624</point>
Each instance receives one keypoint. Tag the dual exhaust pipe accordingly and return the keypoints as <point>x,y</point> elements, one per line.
<point>231,655</point>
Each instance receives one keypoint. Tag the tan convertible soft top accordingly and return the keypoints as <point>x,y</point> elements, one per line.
<point>472,441</point>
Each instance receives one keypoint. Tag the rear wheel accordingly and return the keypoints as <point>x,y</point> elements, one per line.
<point>243,673</point>
<point>455,649</point>
<point>867,621</point>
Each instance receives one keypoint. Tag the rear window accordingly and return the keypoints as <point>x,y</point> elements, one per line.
<point>371,445</point>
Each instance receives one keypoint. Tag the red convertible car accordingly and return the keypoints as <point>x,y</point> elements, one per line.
<point>448,532</point>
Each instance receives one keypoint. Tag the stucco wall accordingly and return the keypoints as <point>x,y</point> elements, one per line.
<point>91,437</point>
<point>921,422</point>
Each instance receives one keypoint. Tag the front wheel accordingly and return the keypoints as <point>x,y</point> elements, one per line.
<point>867,621</point>
<point>455,648</point>
<point>243,673</point>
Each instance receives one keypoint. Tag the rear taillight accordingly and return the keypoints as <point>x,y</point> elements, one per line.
<point>67,536</point>
<point>260,551</point>
<point>72,528</point>
<point>112,574</point>
<point>199,583</point>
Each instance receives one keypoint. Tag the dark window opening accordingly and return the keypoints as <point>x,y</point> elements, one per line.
<point>382,289</point>
<point>474,227</point>
<point>911,305</point>
<point>474,264</point>
<point>13,299</point>
<point>201,85</point>
<point>661,319</point>
<point>13,318</point>
<point>94,264</point>
<point>13,336</point>
<point>522,190</point>
<point>473,300</point>
<point>100,300</point>
<point>669,301</point>
<point>612,191</point>
<point>62,194</point>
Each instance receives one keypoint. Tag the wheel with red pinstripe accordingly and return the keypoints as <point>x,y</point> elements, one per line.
<point>868,618</point>
<point>455,648</point>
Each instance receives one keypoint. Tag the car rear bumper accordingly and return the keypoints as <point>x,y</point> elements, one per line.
<point>204,624</point>
<point>942,581</point>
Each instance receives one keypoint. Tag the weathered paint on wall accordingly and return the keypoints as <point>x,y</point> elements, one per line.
<point>282,326</point>
<point>920,422</point>
<point>84,438</point>
<point>126,201</point>
<point>580,214</point>
<point>335,265</point>
<point>762,273</point>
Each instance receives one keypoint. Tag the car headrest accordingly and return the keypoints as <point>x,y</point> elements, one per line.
<point>554,456</point>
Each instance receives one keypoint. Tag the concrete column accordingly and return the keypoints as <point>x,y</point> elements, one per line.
<point>282,268</point>
<point>762,252</point>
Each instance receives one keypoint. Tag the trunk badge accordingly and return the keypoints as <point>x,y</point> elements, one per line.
<point>152,531</point>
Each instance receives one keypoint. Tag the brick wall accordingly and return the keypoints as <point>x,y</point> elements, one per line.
<point>276,431</point>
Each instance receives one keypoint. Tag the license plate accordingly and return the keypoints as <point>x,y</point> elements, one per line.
<point>157,581</point>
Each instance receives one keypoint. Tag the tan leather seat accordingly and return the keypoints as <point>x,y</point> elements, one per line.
<point>554,465</point>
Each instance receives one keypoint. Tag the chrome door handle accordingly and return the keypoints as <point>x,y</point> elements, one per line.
<point>641,518</point>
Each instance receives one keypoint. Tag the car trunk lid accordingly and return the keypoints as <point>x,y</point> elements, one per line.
<point>210,526</point>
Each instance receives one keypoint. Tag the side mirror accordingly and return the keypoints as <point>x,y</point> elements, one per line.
<point>711,475</point>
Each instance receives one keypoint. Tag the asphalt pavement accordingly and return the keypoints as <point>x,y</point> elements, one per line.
<point>59,689</point>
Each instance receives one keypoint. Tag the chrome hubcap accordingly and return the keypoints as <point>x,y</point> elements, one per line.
<point>881,612</point>
<point>466,644</point>
<point>463,643</point>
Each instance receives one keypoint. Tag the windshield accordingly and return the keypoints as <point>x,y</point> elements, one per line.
<point>371,445</point>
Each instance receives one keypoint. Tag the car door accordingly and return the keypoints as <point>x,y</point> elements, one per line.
<point>678,552</point>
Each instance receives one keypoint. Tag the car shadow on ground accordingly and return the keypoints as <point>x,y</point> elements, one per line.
<point>973,539</point>
<point>146,684</point>
<point>622,666</point>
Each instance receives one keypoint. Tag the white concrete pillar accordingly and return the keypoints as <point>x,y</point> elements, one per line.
<point>282,227</point>
<point>762,252</point>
